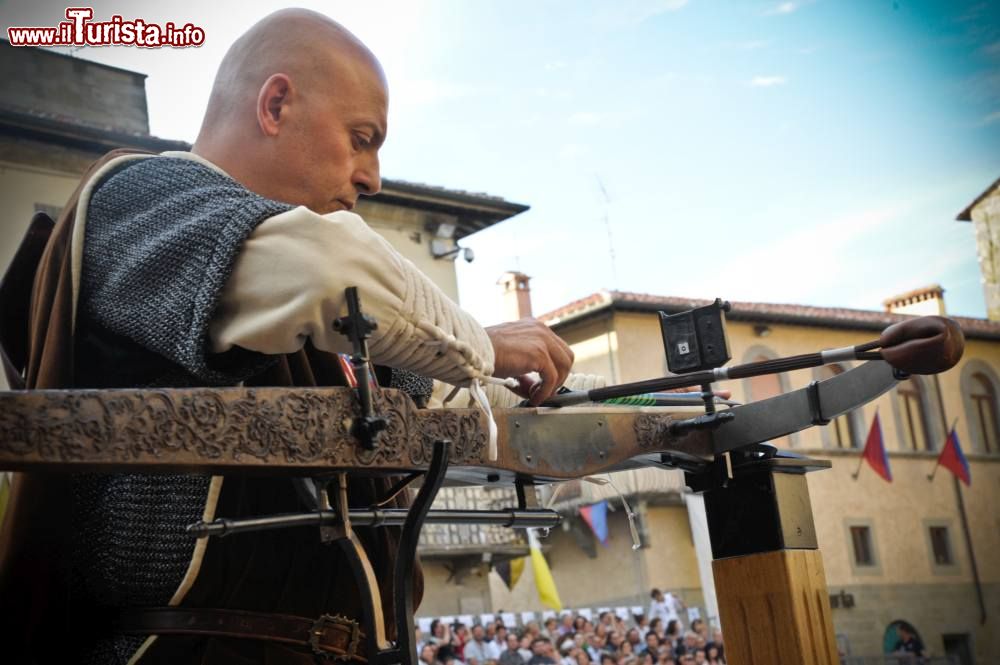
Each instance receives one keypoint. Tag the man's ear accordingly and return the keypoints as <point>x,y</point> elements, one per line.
<point>272,103</point>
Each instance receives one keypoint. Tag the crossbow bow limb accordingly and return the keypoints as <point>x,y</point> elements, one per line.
<point>324,434</point>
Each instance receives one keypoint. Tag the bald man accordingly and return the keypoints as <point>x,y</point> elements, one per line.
<point>222,266</point>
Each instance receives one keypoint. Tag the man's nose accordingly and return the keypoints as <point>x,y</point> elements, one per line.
<point>367,179</point>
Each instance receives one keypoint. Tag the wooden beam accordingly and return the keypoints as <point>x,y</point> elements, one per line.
<point>775,609</point>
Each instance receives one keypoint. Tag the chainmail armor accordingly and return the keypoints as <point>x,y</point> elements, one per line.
<point>162,235</point>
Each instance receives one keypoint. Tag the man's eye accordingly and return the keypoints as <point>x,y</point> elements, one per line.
<point>361,141</point>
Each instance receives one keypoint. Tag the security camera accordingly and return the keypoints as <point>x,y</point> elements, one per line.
<point>468,254</point>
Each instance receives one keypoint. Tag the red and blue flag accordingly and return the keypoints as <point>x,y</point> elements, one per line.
<point>875,453</point>
<point>953,459</point>
<point>596,516</point>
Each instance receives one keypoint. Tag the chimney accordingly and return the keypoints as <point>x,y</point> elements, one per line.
<point>928,300</point>
<point>516,295</point>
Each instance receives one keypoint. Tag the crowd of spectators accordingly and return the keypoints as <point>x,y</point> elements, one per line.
<point>658,637</point>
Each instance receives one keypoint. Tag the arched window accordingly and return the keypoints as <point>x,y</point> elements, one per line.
<point>841,431</point>
<point>915,432</point>
<point>984,409</point>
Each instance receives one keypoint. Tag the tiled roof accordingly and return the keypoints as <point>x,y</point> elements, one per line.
<point>833,317</point>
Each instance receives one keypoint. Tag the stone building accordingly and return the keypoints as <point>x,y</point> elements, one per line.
<point>984,213</point>
<point>892,552</point>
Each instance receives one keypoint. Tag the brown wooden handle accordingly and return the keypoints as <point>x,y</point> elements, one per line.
<point>927,345</point>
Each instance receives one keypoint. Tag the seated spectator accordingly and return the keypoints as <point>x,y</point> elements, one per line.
<point>541,649</point>
<point>566,624</point>
<point>608,659</point>
<point>699,627</point>
<point>595,645</point>
<point>717,644</point>
<point>512,655</point>
<point>642,625</point>
<point>581,657</point>
<point>446,655</point>
<point>615,640</point>
<point>652,643</point>
<point>673,633</point>
<point>566,652</point>
<point>440,633</point>
<point>908,643</point>
<point>500,637</point>
<point>459,637</point>
<point>647,658</point>
<point>427,655</point>
<point>713,656</point>
<point>549,629</point>
<point>478,650</point>
<point>687,646</point>
<point>634,636</point>
<point>699,657</point>
<point>525,650</point>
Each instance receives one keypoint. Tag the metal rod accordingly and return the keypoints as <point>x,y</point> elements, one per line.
<point>704,377</point>
<point>961,508</point>
<point>515,519</point>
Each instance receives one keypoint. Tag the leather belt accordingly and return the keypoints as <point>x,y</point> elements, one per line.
<point>332,637</point>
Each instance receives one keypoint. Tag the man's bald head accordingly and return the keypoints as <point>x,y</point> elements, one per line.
<point>295,99</point>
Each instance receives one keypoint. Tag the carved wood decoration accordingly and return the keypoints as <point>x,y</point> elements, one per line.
<point>297,431</point>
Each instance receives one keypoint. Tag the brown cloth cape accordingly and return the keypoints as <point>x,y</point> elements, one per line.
<point>291,573</point>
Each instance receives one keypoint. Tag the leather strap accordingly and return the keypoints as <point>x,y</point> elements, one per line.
<point>331,637</point>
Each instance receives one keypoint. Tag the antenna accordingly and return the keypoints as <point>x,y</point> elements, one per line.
<point>607,225</point>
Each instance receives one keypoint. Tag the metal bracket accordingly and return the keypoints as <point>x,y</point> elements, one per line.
<point>707,421</point>
<point>358,327</point>
<point>815,406</point>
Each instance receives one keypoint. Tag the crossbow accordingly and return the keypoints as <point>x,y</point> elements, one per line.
<point>324,434</point>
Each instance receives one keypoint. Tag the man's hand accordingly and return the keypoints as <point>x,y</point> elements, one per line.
<point>527,346</point>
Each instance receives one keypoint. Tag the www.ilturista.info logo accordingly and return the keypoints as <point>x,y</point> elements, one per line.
<point>79,30</point>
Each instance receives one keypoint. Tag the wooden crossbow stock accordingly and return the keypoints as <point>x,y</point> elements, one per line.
<point>314,433</point>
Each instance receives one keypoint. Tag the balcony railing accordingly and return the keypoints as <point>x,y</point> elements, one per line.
<point>465,537</point>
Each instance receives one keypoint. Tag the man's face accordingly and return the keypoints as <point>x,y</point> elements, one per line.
<point>334,135</point>
<point>478,633</point>
<point>512,641</point>
<point>539,648</point>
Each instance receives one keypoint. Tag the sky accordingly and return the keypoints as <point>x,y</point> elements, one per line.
<point>811,152</point>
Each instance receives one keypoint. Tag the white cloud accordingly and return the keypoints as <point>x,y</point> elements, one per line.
<point>775,271</point>
<point>782,8</point>
<point>991,118</point>
<point>633,12</point>
<point>767,81</point>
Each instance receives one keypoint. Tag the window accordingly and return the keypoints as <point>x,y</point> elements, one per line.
<point>861,542</point>
<point>941,546</point>
<point>914,420</point>
<point>984,409</point>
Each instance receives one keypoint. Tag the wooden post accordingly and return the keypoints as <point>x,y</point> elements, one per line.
<point>775,609</point>
<point>773,601</point>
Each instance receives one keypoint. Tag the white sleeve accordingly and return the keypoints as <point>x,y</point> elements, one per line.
<point>288,284</point>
